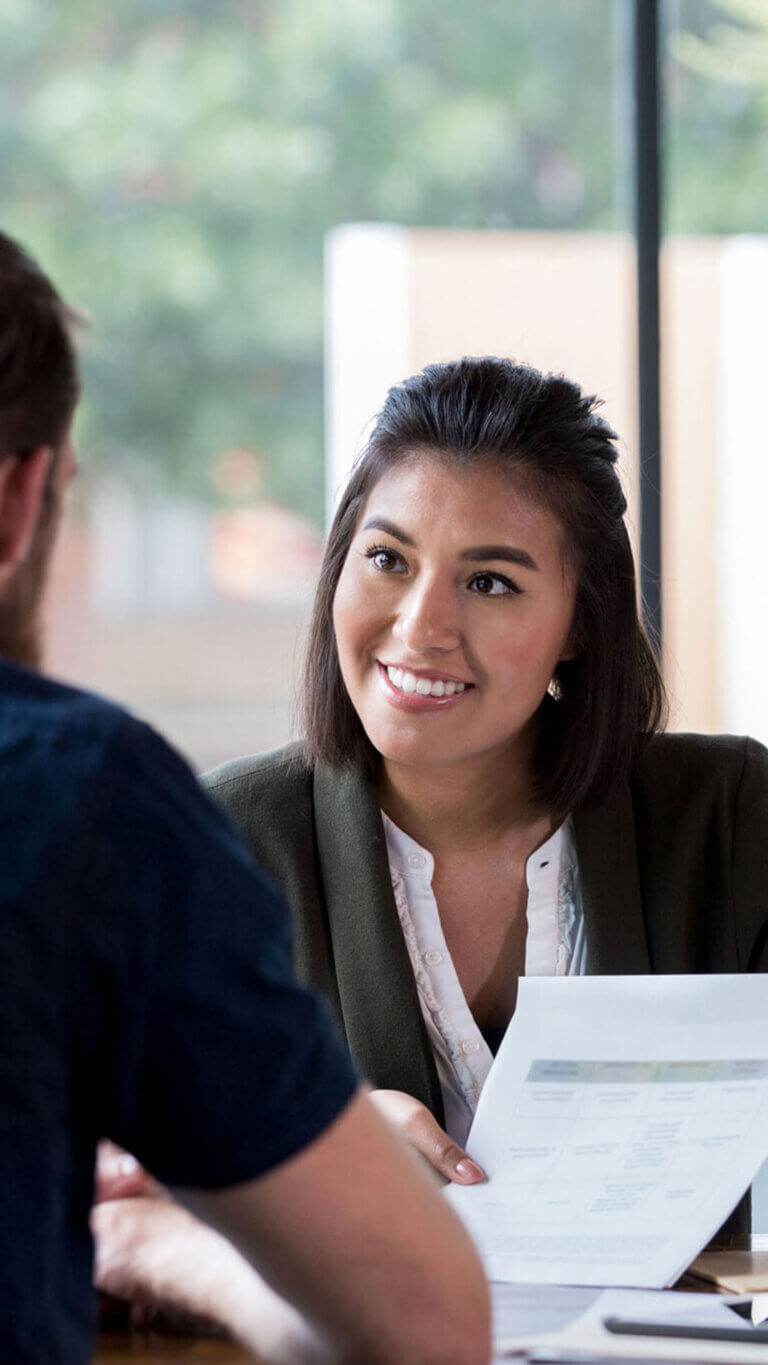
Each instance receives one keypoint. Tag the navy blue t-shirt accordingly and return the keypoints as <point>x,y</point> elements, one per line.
<point>146,995</point>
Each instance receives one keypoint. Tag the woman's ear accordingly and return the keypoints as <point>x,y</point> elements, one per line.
<point>570,650</point>
<point>22,485</point>
<point>573,642</point>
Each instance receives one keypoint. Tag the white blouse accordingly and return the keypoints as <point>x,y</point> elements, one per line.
<point>555,946</point>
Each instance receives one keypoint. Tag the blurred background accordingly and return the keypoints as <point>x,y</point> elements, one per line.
<point>273,209</point>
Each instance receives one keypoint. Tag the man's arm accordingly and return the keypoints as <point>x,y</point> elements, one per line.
<point>232,1088</point>
<point>352,1233</point>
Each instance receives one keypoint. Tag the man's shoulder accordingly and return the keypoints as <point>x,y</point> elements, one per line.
<point>81,758</point>
<point>55,738</point>
<point>39,705</point>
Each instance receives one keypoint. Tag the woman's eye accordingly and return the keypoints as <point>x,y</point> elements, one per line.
<point>387,561</point>
<point>493,585</point>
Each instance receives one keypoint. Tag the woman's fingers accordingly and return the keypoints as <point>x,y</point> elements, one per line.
<point>423,1132</point>
<point>446,1156</point>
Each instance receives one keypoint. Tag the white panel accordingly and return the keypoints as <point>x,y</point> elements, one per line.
<point>366,336</point>
<point>177,539</point>
<point>743,489</point>
<point>117,551</point>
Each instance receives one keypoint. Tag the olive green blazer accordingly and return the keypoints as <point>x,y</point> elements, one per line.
<point>673,867</point>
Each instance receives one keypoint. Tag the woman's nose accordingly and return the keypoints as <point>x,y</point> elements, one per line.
<point>428,620</point>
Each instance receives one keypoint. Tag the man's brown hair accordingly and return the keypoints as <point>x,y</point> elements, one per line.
<point>39,383</point>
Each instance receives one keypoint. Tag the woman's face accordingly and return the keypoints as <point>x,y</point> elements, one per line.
<point>452,611</point>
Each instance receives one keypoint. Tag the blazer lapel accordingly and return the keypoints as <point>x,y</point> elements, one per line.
<point>379,1001</point>
<point>606,846</point>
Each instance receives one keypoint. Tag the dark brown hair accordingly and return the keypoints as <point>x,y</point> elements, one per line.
<point>39,385</point>
<point>547,432</point>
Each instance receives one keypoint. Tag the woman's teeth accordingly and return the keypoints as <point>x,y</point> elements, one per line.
<point>423,687</point>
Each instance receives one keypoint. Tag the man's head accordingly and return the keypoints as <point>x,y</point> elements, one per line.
<point>39,389</point>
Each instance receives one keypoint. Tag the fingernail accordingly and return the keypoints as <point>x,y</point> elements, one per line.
<point>127,1165</point>
<point>468,1170</point>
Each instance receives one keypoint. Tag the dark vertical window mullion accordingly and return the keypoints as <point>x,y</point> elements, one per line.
<point>647,205</point>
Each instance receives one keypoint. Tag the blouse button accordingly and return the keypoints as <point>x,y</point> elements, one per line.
<point>416,860</point>
<point>433,957</point>
<point>470,1046</point>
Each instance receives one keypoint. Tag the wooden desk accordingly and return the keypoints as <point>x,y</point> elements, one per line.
<point>146,1348</point>
<point>159,1337</point>
<point>149,1348</point>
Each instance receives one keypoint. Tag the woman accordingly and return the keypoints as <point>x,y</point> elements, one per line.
<point>481,791</point>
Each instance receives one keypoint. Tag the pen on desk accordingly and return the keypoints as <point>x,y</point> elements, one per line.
<point>626,1327</point>
<point>542,1356</point>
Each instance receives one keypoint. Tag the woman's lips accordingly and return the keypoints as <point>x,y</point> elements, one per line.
<point>413,701</point>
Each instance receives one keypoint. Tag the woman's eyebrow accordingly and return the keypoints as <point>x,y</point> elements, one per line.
<point>507,552</point>
<point>389,528</point>
<point>510,553</point>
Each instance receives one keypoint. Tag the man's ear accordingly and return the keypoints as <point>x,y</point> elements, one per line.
<point>22,484</point>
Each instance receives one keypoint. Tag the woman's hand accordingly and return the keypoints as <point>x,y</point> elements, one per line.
<point>414,1122</point>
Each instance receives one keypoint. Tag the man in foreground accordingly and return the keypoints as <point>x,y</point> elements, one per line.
<point>146,995</point>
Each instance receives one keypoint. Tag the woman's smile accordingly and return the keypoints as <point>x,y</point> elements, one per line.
<point>417,691</point>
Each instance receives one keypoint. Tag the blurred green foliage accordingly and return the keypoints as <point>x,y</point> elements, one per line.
<point>717,116</point>
<point>175,165</point>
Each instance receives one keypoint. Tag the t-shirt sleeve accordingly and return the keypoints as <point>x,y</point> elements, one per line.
<point>227,1066</point>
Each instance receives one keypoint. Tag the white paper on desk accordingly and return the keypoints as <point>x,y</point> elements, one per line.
<point>586,1334</point>
<point>622,1120</point>
<point>528,1310</point>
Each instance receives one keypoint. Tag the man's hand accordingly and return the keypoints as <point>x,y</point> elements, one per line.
<point>150,1251</point>
<point>118,1175</point>
<point>128,1240</point>
<point>417,1126</point>
<point>154,1253</point>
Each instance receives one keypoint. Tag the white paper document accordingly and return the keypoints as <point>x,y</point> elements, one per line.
<point>622,1120</point>
<point>585,1336</point>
